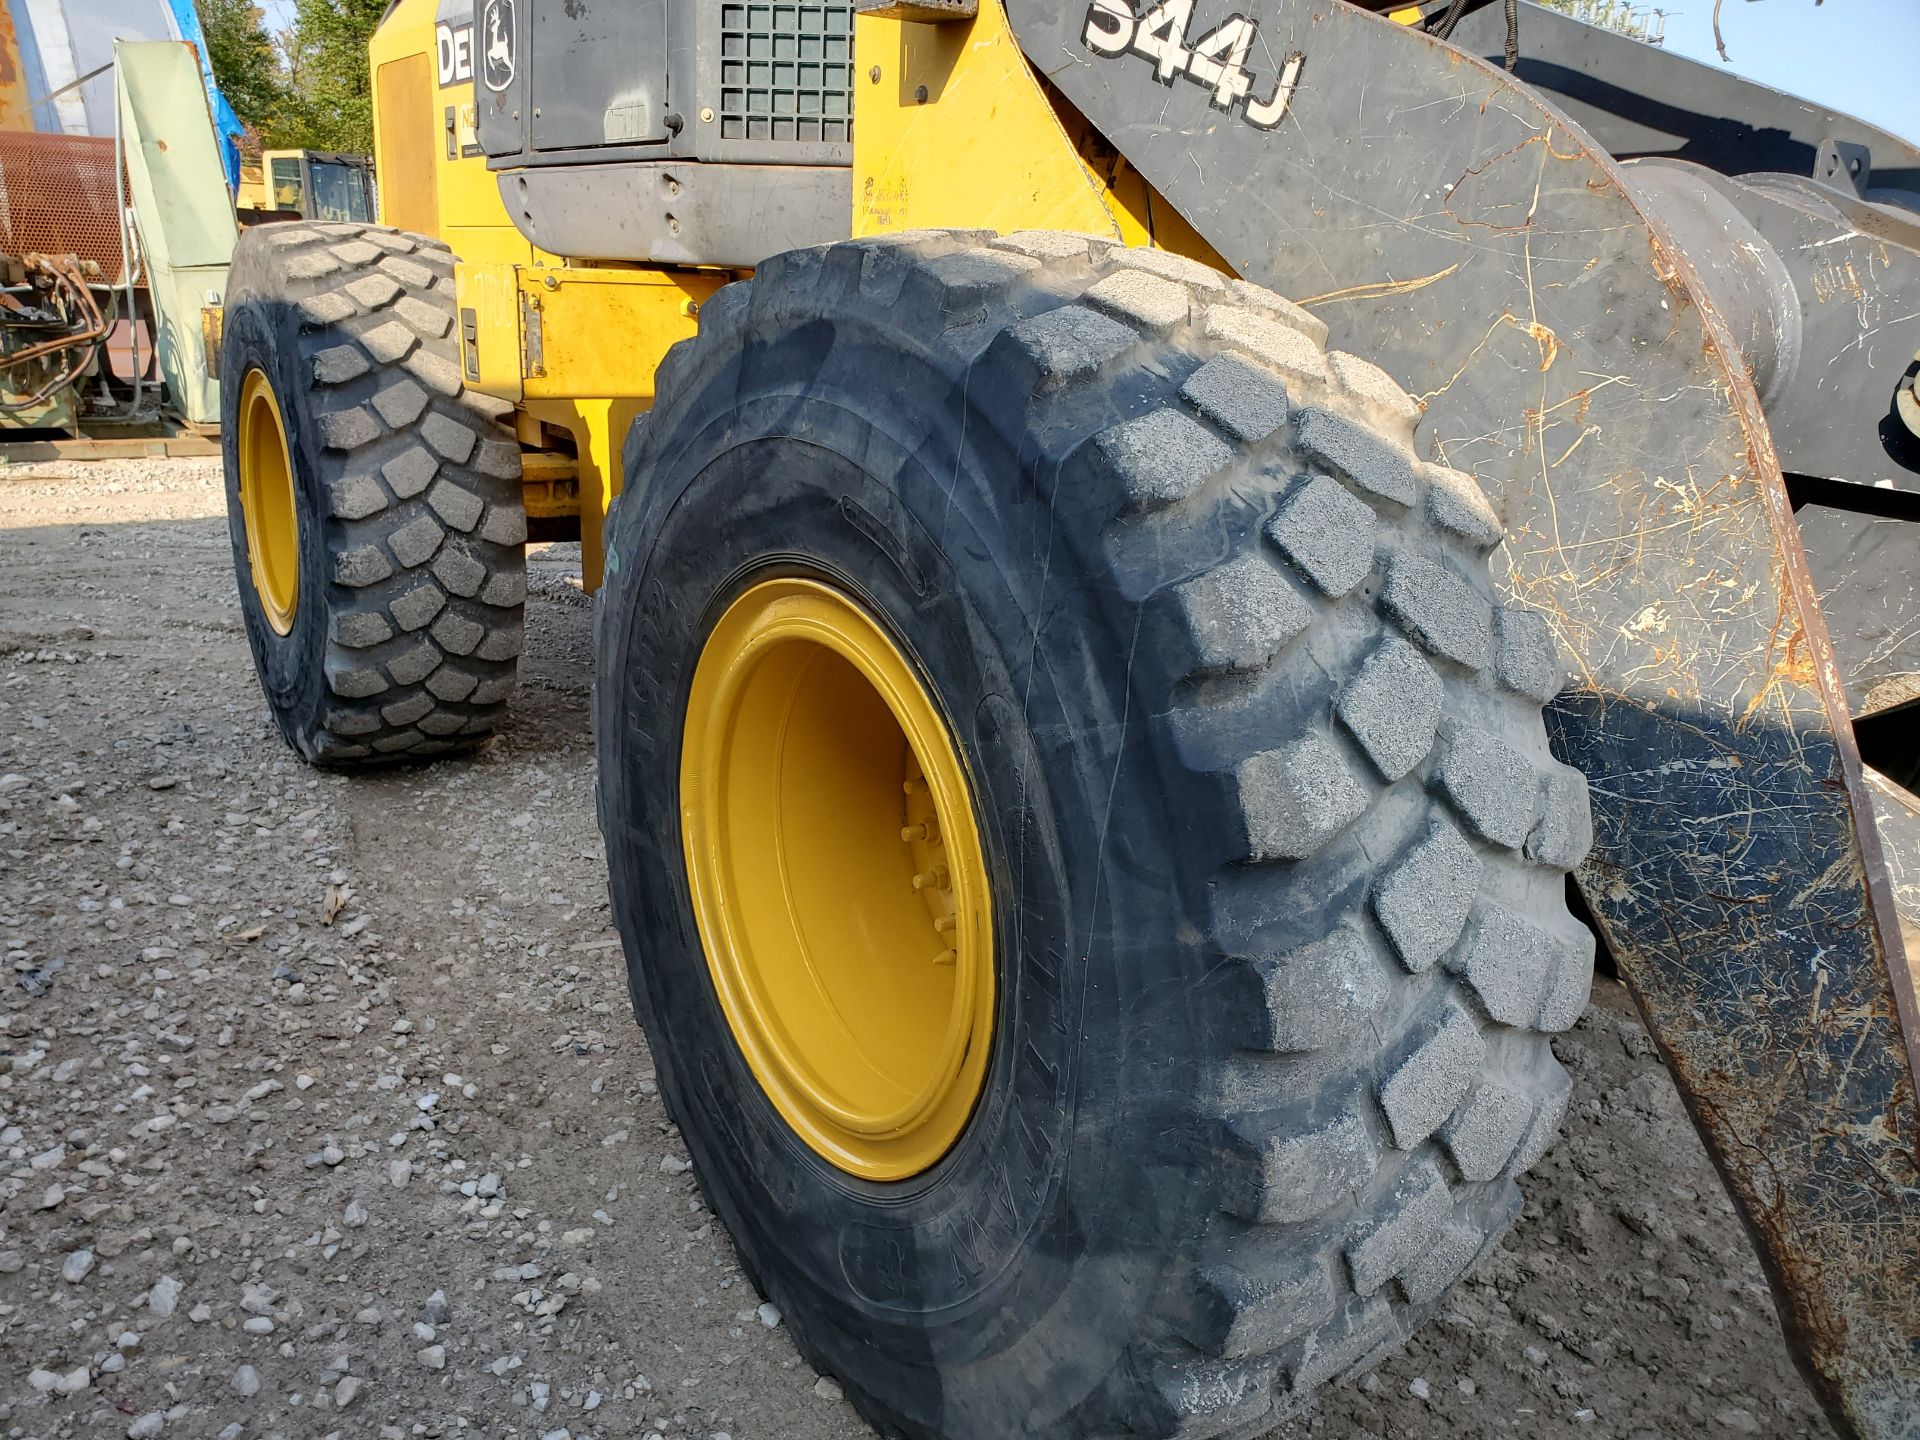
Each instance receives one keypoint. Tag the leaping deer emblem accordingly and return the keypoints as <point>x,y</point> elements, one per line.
<point>498,56</point>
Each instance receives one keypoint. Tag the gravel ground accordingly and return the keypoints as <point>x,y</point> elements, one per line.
<point>323,1111</point>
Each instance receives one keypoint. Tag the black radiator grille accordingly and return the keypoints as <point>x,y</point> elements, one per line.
<point>786,71</point>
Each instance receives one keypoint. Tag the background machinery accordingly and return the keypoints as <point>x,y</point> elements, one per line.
<point>1087,781</point>
<point>116,155</point>
<point>306,185</point>
<point>113,246</point>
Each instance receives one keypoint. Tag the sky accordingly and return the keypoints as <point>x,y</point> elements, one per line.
<point>1860,57</point>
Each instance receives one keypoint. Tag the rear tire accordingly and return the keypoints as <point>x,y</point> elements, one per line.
<point>1276,842</point>
<point>406,490</point>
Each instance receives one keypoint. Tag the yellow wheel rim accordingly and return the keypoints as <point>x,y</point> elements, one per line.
<point>267,503</point>
<point>837,878</point>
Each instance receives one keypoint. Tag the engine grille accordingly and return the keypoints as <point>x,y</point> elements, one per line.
<point>57,198</point>
<point>786,71</point>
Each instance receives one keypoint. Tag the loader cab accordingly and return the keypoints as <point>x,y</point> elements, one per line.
<point>307,185</point>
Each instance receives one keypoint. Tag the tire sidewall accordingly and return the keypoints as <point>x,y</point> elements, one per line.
<point>720,548</point>
<point>263,334</point>
<point>1003,1238</point>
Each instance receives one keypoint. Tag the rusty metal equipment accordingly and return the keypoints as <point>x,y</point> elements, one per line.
<point>58,195</point>
<point>52,297</point>
<point>116,247</point>
<point>61,266</point>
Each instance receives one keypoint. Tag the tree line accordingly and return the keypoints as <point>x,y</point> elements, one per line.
<point>1640,20</point>
<point>304,86</point>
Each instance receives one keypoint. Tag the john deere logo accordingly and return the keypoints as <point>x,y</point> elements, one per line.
<point>496,60</point>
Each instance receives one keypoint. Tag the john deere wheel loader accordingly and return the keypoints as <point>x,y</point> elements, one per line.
<point>1090,506</point>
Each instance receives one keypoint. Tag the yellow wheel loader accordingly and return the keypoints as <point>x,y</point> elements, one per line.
<point>308,184</point>
<point>1140,545</point>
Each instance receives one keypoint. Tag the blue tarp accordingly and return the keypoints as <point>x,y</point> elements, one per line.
<point>225,123</point>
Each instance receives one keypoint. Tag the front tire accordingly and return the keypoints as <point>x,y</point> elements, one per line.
<point>383,576</point>
<point>1275,842</point>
